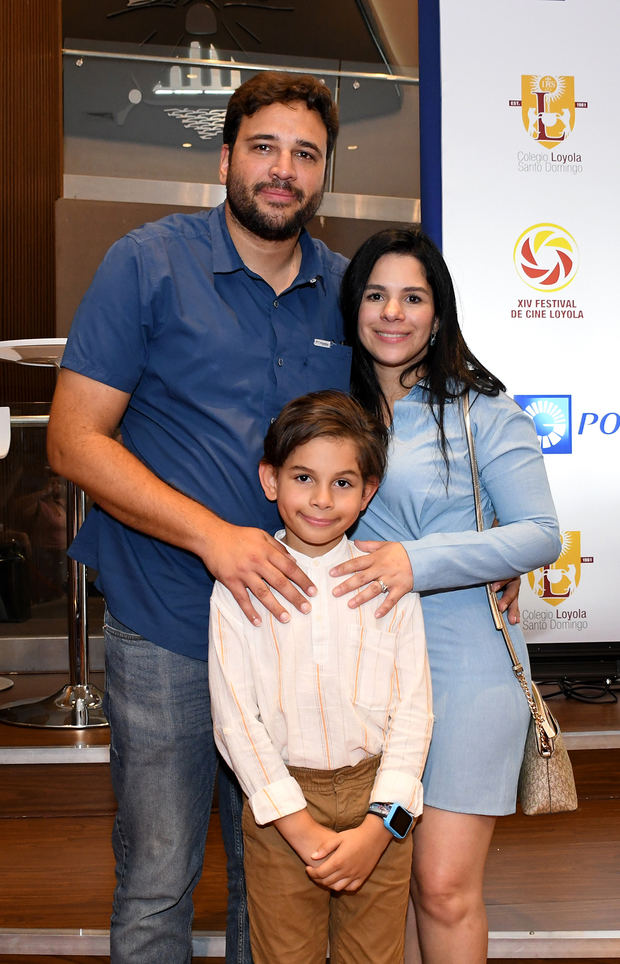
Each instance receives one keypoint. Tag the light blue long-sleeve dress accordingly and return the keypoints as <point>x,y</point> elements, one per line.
<point>481,716</point>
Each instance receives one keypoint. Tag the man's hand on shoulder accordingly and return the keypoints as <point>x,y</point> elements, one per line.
<point>249,559</point>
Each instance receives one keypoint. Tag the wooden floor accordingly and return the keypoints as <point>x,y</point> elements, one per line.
<point>19,959</point>
<point>544,874</point>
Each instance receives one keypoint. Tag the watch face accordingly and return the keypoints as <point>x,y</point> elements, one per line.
<point>400,820</point>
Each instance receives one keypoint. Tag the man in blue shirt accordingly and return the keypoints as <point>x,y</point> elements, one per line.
<point>194,333</point>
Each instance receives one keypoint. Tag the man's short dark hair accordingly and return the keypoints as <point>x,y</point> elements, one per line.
<point>278,87</point>
<point>328,414</point>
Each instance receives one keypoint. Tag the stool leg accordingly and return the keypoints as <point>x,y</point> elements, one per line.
<point>78,705</point>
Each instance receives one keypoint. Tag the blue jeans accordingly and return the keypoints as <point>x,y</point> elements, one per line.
<point>163,765</point>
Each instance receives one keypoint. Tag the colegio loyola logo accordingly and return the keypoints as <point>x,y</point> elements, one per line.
<point>546,257</point>
<point>554,584</point>
<point>548,107</point>
<point>551,415</point>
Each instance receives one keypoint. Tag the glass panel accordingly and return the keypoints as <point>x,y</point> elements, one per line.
<point>134,116</point>
<point>378,150</point>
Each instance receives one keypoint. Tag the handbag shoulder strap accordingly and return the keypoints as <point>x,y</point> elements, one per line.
<point>497,616</point>
<point>547,728</point>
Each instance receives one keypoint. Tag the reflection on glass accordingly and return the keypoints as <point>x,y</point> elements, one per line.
<point>131,110</point>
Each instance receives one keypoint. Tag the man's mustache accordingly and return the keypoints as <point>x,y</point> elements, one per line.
<point>281,186</point>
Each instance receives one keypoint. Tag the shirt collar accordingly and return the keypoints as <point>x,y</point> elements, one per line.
<point>311,268</point>
<point>225,255</point>
<point>338,554</point>
<point>226,258</point>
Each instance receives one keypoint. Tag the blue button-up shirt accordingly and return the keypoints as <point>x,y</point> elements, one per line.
<point>209,355</point>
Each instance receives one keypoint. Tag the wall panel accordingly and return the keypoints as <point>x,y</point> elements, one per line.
<point>30,182</point>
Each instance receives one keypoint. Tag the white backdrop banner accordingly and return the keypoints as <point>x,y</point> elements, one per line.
<point>530,141</point>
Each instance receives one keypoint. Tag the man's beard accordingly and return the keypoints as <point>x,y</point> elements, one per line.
<point>274,225</point>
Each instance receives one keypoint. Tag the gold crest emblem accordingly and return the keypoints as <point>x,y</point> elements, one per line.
<point>554,584</point>
<point>548,107</point>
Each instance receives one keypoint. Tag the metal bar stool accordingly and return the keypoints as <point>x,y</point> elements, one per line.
<point>78,704</point>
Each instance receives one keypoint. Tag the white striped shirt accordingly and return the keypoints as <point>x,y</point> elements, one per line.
<point>325,690</point>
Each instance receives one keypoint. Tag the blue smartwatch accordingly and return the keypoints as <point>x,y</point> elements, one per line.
<point>396,819</point>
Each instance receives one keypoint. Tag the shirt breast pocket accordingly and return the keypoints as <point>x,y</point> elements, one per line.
<point>371,654</point>
<point>327,365</point>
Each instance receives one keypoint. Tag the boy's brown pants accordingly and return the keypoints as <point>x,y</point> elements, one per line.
<point>291,917</point>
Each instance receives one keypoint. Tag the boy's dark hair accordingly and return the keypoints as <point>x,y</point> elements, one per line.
<point>277,87</point>
<point>328,414</point>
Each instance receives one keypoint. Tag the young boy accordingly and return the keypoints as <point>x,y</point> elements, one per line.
<point>326,720</point>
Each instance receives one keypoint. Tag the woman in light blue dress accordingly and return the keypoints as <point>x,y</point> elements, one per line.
<point>411,366</point>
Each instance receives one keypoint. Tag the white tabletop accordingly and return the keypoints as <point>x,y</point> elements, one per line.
<point>34,351</point>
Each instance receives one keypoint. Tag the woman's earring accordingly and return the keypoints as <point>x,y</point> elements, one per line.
<point>433,338</point>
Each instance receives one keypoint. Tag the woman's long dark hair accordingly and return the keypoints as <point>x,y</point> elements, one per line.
<point>449,367</point>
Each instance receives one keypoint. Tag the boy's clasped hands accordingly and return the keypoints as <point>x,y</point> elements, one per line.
<point>336,860</point>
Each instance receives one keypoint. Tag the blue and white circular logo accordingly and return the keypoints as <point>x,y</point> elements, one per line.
<point>549,419</point>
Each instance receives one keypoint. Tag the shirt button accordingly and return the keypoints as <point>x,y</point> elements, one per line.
<point>312,281</point>
<point>280,362</point>
<point>276,303</point>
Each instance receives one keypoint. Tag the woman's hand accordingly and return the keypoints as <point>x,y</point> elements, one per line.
<point>509,599</point>
<point>387,563</point>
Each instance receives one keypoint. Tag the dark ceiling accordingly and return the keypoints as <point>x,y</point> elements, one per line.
<point>338,30</point>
